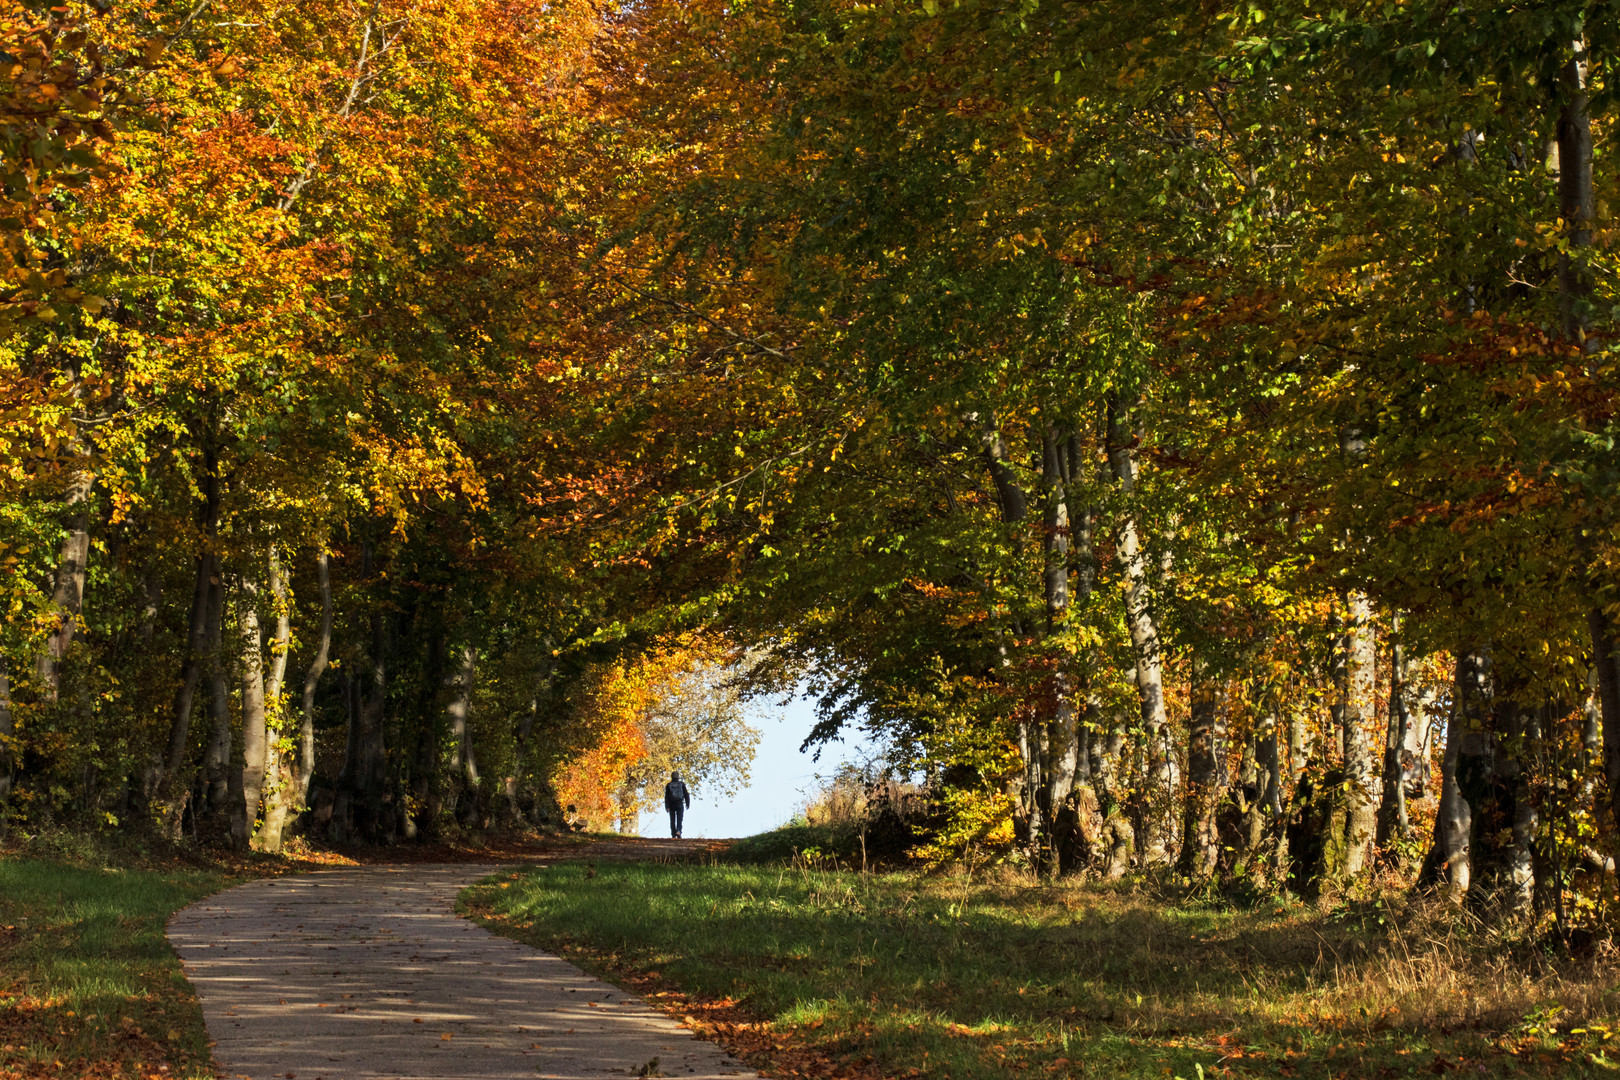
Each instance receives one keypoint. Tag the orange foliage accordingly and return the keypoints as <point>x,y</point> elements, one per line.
<point>615,706</point>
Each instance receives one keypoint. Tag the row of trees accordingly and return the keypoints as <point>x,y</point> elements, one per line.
<point>1182,423</point>
<point>298,527</point>
<point>1184,436</point>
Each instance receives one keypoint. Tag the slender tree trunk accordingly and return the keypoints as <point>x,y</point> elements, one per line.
<point>312,679</point>
<point>1085,830</point>
<point>1393,820</point>
<point>278,767</point>
<point>67,598</point>
<point>1361,803</point>
<point>1519,886</point>
<point>1031,731</point>
<point>373,747</point>
<point>1577,207</point>
<point>1159,780</point>
<point>1451,861</point>
<point>1262,814</point>
<point>254,727</point>
<point>175,786</point>
<point>217,756</point>
<point>425,779</point>
<point>467,780</point>
<point>1117,837</point>
<point>1062,746</point>
<point>525,732</point>
<point>1200,843</point>
<point>1577,198</point>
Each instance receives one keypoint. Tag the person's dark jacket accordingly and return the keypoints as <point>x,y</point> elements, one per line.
<point>676,797</point>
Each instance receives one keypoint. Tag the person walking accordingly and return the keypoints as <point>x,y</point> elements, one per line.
<point>676,800</point>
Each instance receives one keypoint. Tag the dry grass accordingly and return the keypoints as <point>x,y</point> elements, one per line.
<point>1011,977</point>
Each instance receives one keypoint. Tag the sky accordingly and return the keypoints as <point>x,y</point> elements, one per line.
<point>779,782</point>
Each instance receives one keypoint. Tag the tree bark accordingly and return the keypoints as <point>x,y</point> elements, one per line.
<point>1031,731</point>
<point>279,770</point>
<point>1577,207</point>
<point>1361,803</point>
<point>1607,664</point>
<point>1394,823</point>
<point>1117,837</point>
<point>371,736</point>
<point>254,728</point>
<point>1577,199</point>
<point>174,786</point>
<point>425,778</point>
<point>312,679</point>
<point>67,598</point>
<point>217,764</point>
<point>1200,843</point>
<point>1451,861</point>
<point>1062,746</point>
<point>1159,780</point>
<point>467,779</point>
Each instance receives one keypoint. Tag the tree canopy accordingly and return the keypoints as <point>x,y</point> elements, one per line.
<point>1182,435</point>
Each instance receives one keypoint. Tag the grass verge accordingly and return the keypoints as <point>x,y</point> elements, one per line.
<point>89,986</point>
<point>840,973</point>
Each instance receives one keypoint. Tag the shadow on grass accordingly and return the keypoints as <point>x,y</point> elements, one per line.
<point>90,985</point>
<point>1009,979</point>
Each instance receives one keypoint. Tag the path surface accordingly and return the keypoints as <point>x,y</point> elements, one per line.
<point>365,973</point>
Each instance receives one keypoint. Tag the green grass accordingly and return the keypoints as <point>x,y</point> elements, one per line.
<point>87,977</point>
<point>783,844</point>
<point>966,980</point>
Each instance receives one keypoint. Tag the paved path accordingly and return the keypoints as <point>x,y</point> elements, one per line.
<point>366,974</point>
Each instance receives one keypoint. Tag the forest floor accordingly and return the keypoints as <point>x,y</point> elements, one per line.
<point>805,972</point>
<point>91,989</point>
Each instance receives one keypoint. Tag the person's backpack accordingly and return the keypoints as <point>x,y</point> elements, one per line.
<point>674,795</point>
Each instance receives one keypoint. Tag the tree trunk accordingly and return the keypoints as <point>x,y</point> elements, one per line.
<point>1083,833</point>
<point>1262,813</point>
<point>1519,882</point>
<point>1159,780</point>
<point>1031,730</point>
<point>467,780</point>
<point>425,779</point>
<point>312,679</point>
<point>1117,837</point>
<point>278,767</point>
<point>1062,748</point>
<point>1577,199</point>
<point>254,728</point>
<point>1577,207</point>
<point>67,598</point>
<point>217,764</point>
<point>1200,843</point>
<point>1451,860</point>
<point>372,745</point>
<point>1393,820</point>
<point>1361,802</point>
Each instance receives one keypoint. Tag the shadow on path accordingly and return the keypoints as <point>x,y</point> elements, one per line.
<point>365,973</point>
